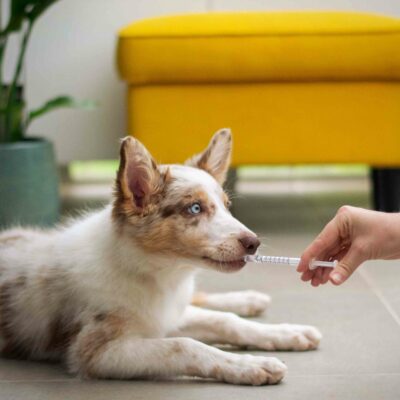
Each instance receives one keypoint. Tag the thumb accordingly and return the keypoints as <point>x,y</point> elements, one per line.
<point>347,265</point>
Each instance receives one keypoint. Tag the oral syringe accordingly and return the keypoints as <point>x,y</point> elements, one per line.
<point>293,261</point>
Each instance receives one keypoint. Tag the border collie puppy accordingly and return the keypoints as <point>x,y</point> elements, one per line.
<point>112,294</point>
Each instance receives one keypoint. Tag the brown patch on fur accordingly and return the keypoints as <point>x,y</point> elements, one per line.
<point>202,160</point>
<point>170,228</point>
<point>176,348</point>
<point>193,370</point>
<point>124,208</point>
<point>211,210</point>
<point>128,199</point>
<point>170,209</point>
<point>13,347</point>
<point>107,327</point>
<point>8,239</point>
<point>20,281</point>
<point>199,298</point>
<point>49,277</point>
<point>226,200</point>
<point>172,206</point>
<point>174,235</point>
<point>61,335</point>
<point>216,372</point>
<point>194,223</point>
<point>61,331</point>
<point>100,317</point>
<point>168,236</point>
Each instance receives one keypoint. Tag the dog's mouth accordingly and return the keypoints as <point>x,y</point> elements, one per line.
<point>224,265</point>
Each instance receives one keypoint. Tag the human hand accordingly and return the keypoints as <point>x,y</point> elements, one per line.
<point>353,236</point>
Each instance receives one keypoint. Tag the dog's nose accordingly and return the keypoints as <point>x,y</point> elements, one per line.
<point>250,243</point>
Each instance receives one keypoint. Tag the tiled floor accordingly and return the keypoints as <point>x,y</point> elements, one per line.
<point>359,357</point>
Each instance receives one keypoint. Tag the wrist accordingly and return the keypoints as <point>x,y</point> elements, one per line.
<point>392,236</point>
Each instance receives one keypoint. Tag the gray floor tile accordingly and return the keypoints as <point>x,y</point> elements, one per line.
<point>16,370</point>
<point>384,277</point>
<point>359,354</point>
<point>343,387</point>
<point>350,317</point>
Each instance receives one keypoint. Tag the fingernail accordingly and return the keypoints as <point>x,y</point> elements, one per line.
<point>337,278</point>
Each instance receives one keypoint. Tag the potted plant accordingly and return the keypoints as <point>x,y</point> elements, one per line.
<point>28,174</point>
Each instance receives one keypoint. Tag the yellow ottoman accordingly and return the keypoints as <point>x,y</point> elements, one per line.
<point>298,87</point>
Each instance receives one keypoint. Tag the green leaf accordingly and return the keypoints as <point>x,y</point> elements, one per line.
<point>17,15</point>
<point>60,102</point>
<point>37,8</point>
<point>25,9</point>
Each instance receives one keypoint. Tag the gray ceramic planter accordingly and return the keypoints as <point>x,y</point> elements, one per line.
<point>28,184</point>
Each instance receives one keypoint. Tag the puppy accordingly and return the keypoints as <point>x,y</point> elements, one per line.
<point>110,294</point>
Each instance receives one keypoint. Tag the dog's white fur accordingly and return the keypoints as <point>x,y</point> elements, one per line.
<point>114,307</point>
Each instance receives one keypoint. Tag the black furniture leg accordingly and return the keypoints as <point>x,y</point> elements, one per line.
<point>386,189</point>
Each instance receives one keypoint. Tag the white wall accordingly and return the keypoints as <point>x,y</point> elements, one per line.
<point>390,7</point>
<point>72,51</point>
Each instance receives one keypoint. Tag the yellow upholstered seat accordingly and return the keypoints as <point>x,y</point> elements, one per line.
<point>260,47</point>
<point>299,87</point>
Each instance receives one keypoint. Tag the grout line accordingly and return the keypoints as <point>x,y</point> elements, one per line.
<point>379,295</point>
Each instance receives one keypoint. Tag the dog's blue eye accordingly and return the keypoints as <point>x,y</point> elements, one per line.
<point>194,209</point>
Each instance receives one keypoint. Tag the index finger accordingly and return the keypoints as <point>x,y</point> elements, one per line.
<point>325,242</point>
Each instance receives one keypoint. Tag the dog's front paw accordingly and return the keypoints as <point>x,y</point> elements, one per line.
<point>247,303</point>
<point>290,337</point>
<point>250,303</point>
<point>250,370</point>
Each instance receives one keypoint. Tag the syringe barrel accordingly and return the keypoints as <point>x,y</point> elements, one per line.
<point>293,261</point>
<point>277,260</point>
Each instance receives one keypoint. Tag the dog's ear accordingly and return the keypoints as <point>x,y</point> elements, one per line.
<point>138,177</point>
<point>215,159</point>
